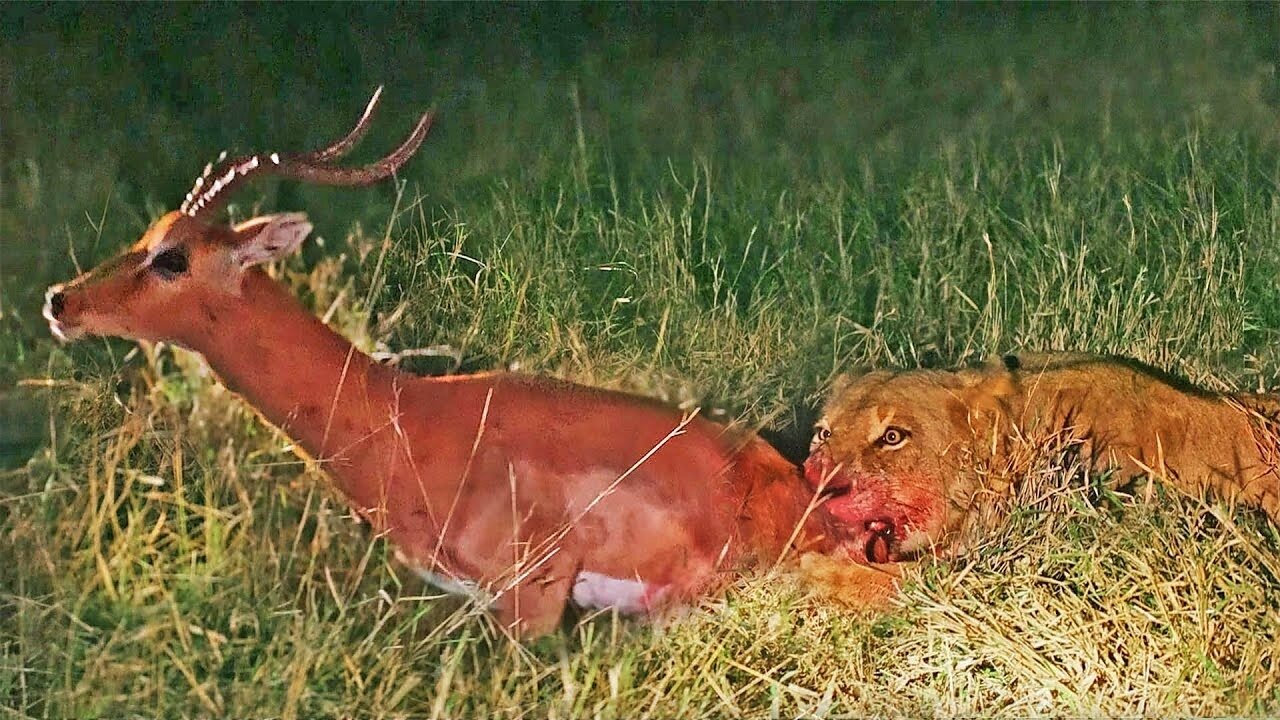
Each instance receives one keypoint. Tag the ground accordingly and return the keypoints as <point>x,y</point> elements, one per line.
<point>718,205</point>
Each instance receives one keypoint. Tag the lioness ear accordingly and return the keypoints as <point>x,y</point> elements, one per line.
<point>990,399</point>
<point>1011,362</point>
<point>840,384</point>
<point>990,390</point>
<point>269,237</point>
<point>842,381</point>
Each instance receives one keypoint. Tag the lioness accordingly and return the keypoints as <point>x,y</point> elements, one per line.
<point>906,456</point>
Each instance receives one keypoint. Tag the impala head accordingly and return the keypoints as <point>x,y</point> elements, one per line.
<point>188,265</point>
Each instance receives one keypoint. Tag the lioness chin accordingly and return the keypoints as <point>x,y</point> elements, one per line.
<point>905,457</point>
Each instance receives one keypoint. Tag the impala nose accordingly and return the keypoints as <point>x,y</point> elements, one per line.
<point>55,303</point>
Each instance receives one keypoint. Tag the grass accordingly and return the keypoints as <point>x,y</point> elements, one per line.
<point>714,205</point>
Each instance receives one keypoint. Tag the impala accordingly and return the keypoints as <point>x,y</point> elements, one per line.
<point>526,492</point>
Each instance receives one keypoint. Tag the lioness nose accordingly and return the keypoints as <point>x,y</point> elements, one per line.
<point>57,303</point>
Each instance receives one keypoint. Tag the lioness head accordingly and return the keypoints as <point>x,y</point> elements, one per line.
<point>900,454</point>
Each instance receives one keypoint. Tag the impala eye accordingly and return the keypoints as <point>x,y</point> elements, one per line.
<point>894,438</point>
<point>170,263</point>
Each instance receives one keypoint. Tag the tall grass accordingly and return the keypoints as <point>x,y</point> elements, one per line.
<point>711,205</point>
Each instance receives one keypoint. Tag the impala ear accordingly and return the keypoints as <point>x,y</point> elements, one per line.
<point>269,237</point>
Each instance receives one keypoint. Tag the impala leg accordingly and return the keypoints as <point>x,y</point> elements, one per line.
<point>535,605</point>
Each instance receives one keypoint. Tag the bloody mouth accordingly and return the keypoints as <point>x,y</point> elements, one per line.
<point>878,540</point>
<point>861,502</point>
<point>873,535</point>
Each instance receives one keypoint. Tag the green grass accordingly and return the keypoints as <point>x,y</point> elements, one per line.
<point>711,204</point>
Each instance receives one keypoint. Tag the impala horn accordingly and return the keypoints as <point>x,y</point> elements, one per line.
<point>218,180</point>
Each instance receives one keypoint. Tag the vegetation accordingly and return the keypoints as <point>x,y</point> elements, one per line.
<point>718,205</point>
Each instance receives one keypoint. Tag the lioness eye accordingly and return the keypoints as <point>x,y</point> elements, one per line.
<point>820,435</point>
<point>894,437</point>
<point>169,263</point>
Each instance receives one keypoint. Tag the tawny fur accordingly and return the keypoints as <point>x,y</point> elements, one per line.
<point>857,586</point>
<point>962,429</point>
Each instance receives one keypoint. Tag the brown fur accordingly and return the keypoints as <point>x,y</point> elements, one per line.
<point>963,428</point>
<point>521,485</point>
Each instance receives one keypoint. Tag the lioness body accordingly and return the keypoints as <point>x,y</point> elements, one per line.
<point>954,434</point>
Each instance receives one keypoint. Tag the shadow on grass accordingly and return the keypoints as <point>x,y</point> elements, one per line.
<point>23,426</point>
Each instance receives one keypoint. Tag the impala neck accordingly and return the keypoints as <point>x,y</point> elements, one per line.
<point>300,375</point>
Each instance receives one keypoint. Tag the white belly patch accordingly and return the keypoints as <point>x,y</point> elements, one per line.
<point>596,591</point>
<point>591,590</point>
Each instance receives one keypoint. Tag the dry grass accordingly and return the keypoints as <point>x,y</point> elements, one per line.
<point>176,556</point>
<point>195,571</point>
